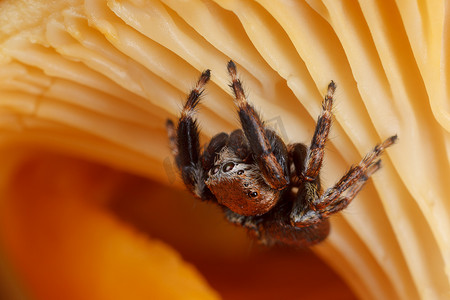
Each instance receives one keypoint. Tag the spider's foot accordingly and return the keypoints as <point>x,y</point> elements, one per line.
<point>328,102</point>
<point>236,86</point>
<point>195,95</point>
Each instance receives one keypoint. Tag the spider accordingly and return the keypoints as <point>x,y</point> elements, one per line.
<point>270,188</point>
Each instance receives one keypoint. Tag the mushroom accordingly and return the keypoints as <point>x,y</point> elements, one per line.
<point>90,200</point>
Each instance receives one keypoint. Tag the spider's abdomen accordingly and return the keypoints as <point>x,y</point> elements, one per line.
<point>277,232</point>
<point>275,227</point>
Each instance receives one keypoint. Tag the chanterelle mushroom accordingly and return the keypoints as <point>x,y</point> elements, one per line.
<point>96,80</point>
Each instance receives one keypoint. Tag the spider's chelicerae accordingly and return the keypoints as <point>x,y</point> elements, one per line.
<point>263,185</point>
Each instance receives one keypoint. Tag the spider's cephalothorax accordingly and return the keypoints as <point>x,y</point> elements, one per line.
<point>239,185</point>
<point>271,189</point>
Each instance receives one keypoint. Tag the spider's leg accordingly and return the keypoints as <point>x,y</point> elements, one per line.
<point>185,144</point>
<point>273,172</point>
<point>187,130</point>
<point>239,145</point>
<point>172,133</point>
<point>251,223</point>
<point>344,200</point>
<point>340,195</point>
<point>308,162</point>
<point>297,153</point>
<point>308,191</point>
<point>364,169</point>
<point>314,157</point>
<point>215,145</point>
<point>273,228</point>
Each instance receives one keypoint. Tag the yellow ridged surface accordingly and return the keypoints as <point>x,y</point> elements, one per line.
<point>97,79</point>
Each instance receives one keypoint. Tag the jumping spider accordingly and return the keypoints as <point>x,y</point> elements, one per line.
<point>263,185</point>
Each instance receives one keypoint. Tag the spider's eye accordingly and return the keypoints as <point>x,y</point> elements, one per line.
<point>214,171</point>
<point>240,172</point>
<point>253,194</point>
<point>228,167</point>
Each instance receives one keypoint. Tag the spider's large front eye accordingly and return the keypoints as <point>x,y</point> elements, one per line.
<point>253,194</point>
<point>228,167</point>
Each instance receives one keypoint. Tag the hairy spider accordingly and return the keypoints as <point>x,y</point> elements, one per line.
<point>271,189</point>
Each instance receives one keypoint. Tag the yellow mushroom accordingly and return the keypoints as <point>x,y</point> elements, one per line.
<point>86,87</point>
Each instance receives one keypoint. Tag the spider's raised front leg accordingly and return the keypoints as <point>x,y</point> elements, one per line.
<point>314,156</point>
<point>308,162</point>
<point>268,149</point>
<point>185,145</point>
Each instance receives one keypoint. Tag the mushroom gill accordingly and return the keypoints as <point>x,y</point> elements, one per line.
<point>86,87</point>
